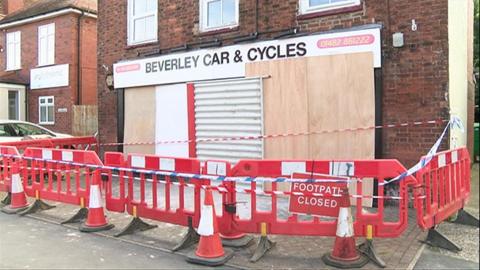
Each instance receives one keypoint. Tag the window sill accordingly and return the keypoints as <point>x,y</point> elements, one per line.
<point>47,124</point>
<point>216,31</point>
<point>15,69</point>
<point>320,13</point>
<point>45,65</point>
<point>141,44</point>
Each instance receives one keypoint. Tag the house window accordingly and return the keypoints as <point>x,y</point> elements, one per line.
<point>309,6</point>
<point>46,110</point>
<point>142,21</point>
<point>13,50</point>
<point>46,44</point>
<point>217,14</point>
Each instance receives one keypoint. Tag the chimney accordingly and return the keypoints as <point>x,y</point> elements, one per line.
<point>12,6</point>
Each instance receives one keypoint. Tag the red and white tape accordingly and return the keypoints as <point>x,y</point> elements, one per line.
<point>221,139</point>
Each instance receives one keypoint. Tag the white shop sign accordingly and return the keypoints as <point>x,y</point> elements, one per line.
<point>47,77</point>
<point>229,61</point>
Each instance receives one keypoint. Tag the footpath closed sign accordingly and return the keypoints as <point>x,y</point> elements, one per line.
<point>308,203</point>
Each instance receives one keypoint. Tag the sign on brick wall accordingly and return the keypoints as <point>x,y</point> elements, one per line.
<point>229,61</point>
<point>48,77</point>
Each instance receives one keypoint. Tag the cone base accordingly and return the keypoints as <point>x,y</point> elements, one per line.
<point>243,241</point>
<point>9,210</point>
<point>86,228</point>
<point>194,258</point>
<point>355,263</point>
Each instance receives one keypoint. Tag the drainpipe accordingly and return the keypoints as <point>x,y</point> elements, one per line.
<point>79,62</point>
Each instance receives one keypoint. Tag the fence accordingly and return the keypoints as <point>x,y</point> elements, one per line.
<point>171,190</point>
<point>443,187</point>
<point>84,120</point>
<point>81,143</point>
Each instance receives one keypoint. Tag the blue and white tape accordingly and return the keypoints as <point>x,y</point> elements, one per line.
<point>454,123</point>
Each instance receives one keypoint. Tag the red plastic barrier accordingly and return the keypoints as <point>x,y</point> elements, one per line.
<point>380,170</point>
<point>6,165</point>
<point>60,175</point>
<point>153,195</point>
<point>443,187</point>
<point>79,143</point>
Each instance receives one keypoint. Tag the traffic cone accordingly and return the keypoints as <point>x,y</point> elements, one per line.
<point>344,254</point>
<point>209,250</point>
<point>96,220</point>
<point>18,199</point>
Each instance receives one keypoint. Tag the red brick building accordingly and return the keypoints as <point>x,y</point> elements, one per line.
<point>419,67</point>
<point>50,47</point>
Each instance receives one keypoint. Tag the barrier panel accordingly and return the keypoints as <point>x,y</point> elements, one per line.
<point>9,159</point>
<point>79,143</point>
<point>443,187</point>
<point>136,188</point>
<point>291,224</point>
<point>60,175</point>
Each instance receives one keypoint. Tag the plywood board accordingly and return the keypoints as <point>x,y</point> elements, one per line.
<point>317,94</point>
<point>284,105</point>
<point>139,119</point>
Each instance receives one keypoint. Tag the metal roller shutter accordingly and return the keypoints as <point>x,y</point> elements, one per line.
<point>229,108</point>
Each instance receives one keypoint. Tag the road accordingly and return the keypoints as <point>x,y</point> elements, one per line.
<point>31,243</point>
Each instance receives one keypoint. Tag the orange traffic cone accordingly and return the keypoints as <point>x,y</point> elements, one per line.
<point>96,220</point>
<point>344,254</point>
<point>209,250</point>
<point>18,199</point>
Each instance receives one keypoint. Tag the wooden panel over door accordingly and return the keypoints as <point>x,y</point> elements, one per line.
<point>316,94</point>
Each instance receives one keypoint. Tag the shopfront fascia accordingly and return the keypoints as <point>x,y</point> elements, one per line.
<point>229,92</point>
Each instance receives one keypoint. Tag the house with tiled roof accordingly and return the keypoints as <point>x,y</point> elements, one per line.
<point>48,48</point>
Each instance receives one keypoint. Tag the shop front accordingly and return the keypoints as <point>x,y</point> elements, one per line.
<point>215,103</point>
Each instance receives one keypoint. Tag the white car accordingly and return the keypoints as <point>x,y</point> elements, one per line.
<point>14,130</point>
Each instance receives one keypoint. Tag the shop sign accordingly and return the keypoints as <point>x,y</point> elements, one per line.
<point>229,61</point>
<point>48,77</point>
<point>310,202</point>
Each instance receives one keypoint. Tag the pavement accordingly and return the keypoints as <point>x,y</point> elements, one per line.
<point>29,243</point>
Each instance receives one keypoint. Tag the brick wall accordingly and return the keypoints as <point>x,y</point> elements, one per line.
<point>65,53</point>
<point>415,77</point>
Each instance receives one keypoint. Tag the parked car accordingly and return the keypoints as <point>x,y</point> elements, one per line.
<point>14,130</point>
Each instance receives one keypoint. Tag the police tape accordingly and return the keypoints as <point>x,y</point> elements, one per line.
<point>454,123</point>
<point>186,175</point>
<point>223,189</point>
<point>220,189</point>
<point>293,134</point>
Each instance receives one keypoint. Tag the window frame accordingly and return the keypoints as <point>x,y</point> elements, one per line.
<point>203,16</point>
<point>17,104</point>
<point>17,51</point>
<point>52,122</point>
<point>47,56</point>
<point>131,24</point>
<point>305,8</point>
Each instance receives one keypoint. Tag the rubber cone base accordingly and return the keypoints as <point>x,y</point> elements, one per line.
<point>85,228</point>
<point>193,258</point>
<point>356,263</point>
<point>36,206</point>
<point>237,243</point>
<point>9,210</point>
